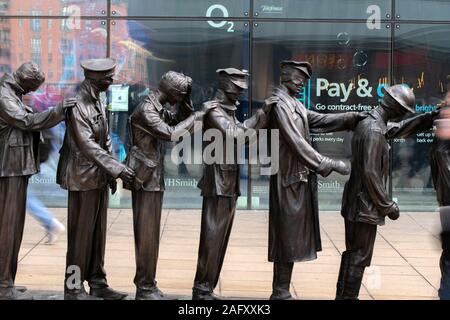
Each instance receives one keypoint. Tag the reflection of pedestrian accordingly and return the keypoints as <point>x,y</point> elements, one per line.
<point>440,171</point>
<point>440,158</point>
<point>35,207</point>
<point>37,210</point>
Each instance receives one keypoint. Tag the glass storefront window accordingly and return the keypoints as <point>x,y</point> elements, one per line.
<point>322,9</point>
<point>349,62</point>
<point>422,61</point>
<point>74,8</point>
<point>186,8</point>
<point>422,9</point>
<point>145,50</point>
<point>149,38</point>
<point>58,49</point>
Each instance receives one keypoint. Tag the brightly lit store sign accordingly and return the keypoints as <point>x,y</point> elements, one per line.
<point>342,91</point>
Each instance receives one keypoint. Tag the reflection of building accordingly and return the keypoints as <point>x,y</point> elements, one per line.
<point>132,57</point>
<point>54,43</point>
<point>57,45</point>
<point>331,34</point>
<point>36,39</point>
<point>5,39</point>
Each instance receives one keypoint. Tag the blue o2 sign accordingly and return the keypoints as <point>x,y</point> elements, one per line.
<point>223,11</point>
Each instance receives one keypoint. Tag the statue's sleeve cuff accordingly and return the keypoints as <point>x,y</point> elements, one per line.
<point>117,170</point>
<point>325,167</point>
<point>385,211</point>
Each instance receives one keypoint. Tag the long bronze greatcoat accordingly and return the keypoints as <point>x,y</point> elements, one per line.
<point>294,233</point>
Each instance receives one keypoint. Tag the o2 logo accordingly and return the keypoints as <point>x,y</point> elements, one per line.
<point>229,25</point>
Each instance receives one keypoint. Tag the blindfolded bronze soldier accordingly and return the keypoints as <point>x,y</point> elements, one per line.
<point>20,129</point>
<point>152,124</point>
<point>220,182</point>
<point>365,202</point>
<point>86,168</point>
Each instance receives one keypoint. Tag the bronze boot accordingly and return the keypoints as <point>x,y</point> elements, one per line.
<point>352,283</point>
<point>282,273</point>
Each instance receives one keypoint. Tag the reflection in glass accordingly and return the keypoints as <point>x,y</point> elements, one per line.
<point>73,8</point>
<point>422,61</point>
<point>186,8</point>
<point>58,50</point>
<point>422,9</point>
<point>145,50</point>
<point>349,62</point>
<point>322,9</point>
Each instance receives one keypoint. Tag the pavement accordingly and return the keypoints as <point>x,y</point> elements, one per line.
<point>405,263</point>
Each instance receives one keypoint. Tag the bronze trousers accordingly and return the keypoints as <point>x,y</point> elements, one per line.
<point>359,242</point>
<point>147,207</point>
<point>86,237</point>
<point>13,198</point>
<point>217,220</point>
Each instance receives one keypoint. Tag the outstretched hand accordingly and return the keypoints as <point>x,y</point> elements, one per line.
<point>113,185</point>
<point>394,212</point>
<point>208,106</point>
<point>127,175</point>
<point>269,103</point>
<point>69,103</point>
<point>340,167</point>
<point>362,115</point>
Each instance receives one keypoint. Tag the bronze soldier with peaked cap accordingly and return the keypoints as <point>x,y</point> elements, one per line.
<point>86,168</point>
<point>19,159</point>
<point>151,125</point>
<point>365,202</point>
<point>220,182</point>
<point>294,233</point>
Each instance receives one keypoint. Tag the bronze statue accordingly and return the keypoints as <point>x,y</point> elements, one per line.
<point>151,125</point>
<point>365,202</point>
<point>294,233</point>
<point>19,156</point>
<point>220,182</point>
<point>86,168</point>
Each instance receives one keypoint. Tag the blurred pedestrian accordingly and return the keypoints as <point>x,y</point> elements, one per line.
<point>37,210</point>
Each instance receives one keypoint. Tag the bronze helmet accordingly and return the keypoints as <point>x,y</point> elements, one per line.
<point>403,95</point>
